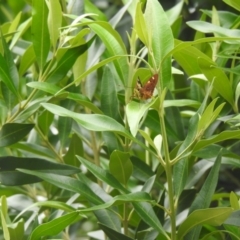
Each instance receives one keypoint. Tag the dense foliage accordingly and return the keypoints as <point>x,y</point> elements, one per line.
<point>113,126</point>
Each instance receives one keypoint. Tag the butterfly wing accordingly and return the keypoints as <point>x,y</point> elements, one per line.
<point>147,90</point>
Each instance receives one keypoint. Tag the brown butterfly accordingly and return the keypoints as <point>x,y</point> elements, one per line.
<point>145,91</point>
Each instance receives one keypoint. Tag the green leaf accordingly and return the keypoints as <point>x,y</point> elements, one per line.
<point>144,210</point>
<point>233,3</point>
<point>220,81</point>
<point>120,166</point>
<point>4,217</point>
<point>64,125</point>
<point>233,219</point>
<point>67,183</point>
<point>211,28</point>
<point>44,122</point>
<point>54,20</point>
<point>120,199</point>
<point>234,201</point>
<point>20,31</point>
<point>93,122</point>
<point>16,230</point>
<point>92,8</point>
<point>13,132</point>
<point>209,115</point>
<point>11,177</point>
<point>50,204</point>
<point>55,226</point>
<point>222,136</point>
<point>66,62</point>
<point>6,77</point>
<point>204,197</point>
<point>75,148</point>
<point>40,34</point>
<point>113,43</point>
<point>212,216</point>
<point>103,175</point>
<point>162,42</point>
<point>27,60</point>
<point>180,170</point>
<point>135,111</point>
<point>112,234</point>
<point>140,25</point>
<point>109,100</point>
<point>53,90</point>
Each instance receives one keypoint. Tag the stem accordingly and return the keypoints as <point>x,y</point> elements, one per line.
<point>168,169</point>
<point>125,219</point>
<point>59,158</point>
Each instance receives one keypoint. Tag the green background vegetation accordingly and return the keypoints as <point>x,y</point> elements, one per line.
<point>81,158</point>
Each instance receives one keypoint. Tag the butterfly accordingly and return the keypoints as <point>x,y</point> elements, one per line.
<point>145,91</point>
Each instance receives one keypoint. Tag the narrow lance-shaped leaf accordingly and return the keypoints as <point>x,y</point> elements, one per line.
<point>55,226</point>
<point>11,177</point>
<point>204,197</point>
<point>40,34</point>
<point>13,132</point>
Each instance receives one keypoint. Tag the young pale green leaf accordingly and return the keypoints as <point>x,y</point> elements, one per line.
<point>134,112</point>
<point>120,199</point>
<point>161,40</point>
<point>6,233</point>
<point>206,27</point>
<point>20,31</point>
<point>54,20</point>
<point>14,24</point>
<point>211,216</point>
<point>140,25</point>
<point>146,136</point>
<point>234,201</point>
<point>225,135</point>
<point>187,57</point>
<point>120,166</point>
<point>237,94</point>
<point>220,80</point>
<point>158,144</point>
<point>113,43</point>
<point>27,60</point>
<point>233,3</point>
<point>209,115</point>
<point>16,230</point>
<point>11,177</point>
<point>40,34</point>
<point>13,132</point>
<point>93,122</point>
<point>181,103</point>
<point>204,197</point>
<point>55,226</point>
